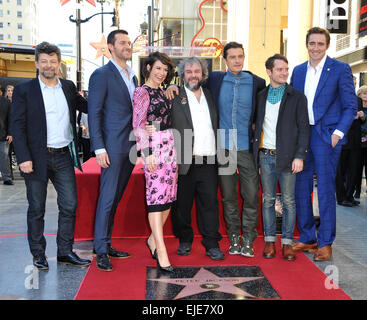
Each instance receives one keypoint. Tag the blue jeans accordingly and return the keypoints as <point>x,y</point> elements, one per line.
<point>4,161</point>
<point>60,170</point>
<point>287,181</point>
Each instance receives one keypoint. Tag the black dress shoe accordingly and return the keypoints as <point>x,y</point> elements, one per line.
<point>40,262</point>
<point>113,253</point>
<point>8,182</point>
<point>346,203</point>
<point>103,262</point>
<point>74,260</point>
<point>165,269</point>
<point>184,249</point>
<point>215,254</point>
<point>356,203</point>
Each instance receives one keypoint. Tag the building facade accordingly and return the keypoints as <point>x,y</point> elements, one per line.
<point>18,21</point>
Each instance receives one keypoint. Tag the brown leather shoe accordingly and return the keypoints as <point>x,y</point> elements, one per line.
<point>322,254</point>
<point>299,246</point>
<point>288,252</point>
<point>269,250</point>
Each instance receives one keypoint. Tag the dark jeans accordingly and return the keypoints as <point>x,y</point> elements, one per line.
<point>249,184</point>
<point>60,171</point>
<point>287,181</point>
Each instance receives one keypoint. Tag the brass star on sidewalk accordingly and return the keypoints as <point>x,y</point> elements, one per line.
<point>101,47</point>
<point>205,281</point>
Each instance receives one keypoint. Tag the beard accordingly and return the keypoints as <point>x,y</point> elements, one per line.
<point>193,87</point>
<point>48,74</point>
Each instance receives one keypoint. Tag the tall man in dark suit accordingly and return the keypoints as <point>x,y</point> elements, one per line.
<point>111,89</point>
<point>194,117</point>
<point>43,123</point>
<point>332,105</point>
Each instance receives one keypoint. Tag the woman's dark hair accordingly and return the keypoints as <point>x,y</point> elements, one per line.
<point>48,48</point>
<point>164,59</point>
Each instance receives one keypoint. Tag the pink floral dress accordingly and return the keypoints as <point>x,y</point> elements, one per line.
<point>150,105</point>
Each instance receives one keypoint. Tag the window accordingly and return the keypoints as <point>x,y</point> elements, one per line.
<point>19,2</point>
<point>1,25</point>
<point>19,14</point>
<point>20,38</point>
<point>1,37</point>
<point>1,13</point>
<point>20,26</point>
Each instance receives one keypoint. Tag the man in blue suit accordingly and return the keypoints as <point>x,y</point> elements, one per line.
<point>332,106</point>
<point>111,89</point>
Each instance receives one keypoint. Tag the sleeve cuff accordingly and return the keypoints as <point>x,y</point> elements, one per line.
<point>99,151</point>
<point>339,133</point>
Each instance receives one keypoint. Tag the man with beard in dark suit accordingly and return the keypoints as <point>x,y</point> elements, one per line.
<point>43,124</point>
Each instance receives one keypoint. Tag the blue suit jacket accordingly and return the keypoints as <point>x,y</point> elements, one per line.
<point>335,103</point>
<point>29,127</point>
<point>109,111</point>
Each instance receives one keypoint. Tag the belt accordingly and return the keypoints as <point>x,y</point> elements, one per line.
<point>57,150</point>
<point>272,152</point>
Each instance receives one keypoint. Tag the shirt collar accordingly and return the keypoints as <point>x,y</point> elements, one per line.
<point>320,66</point>
<point>120,69</point>
<point>190,93</point>
<point>44,85</point>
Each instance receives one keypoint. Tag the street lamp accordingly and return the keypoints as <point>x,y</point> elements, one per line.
<point>78,21</point>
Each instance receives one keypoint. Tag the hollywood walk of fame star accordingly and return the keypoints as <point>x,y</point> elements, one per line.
<point>205,280</point>
<point>102,48</point>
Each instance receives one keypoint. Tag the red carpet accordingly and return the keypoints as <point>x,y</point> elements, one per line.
<point>296,280</point>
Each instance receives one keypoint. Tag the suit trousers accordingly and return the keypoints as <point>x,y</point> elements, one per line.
<point>60,170</point>
<point>347,173</point>
<point>5,167</point>
<point>113,182</point>
<point>200,183</point>
<point>321,159</point>
<point>249,184</point>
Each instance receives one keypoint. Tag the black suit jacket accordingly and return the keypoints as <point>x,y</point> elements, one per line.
<point>181,121</point>
<point>29,128</point>
<point>292,130</point>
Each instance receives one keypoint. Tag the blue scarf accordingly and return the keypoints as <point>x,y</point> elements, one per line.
<point>276,94</point>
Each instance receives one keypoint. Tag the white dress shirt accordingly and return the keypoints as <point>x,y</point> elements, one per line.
<point>59,132</point>
<point>204,138</point>
<point>312,81</point>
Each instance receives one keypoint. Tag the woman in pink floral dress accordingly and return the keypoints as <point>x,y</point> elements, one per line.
<point>157,150</point>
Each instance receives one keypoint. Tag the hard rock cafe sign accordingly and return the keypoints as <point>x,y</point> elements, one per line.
<point>210,42</point>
